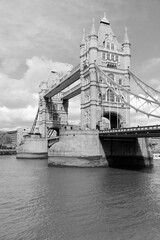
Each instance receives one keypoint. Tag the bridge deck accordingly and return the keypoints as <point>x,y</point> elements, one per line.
<point>134,132</point>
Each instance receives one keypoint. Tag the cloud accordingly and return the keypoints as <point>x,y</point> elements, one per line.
<point>19,97</point>
<point>151,65</point>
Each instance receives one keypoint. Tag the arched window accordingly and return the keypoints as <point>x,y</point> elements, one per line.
<point>103,55</point>
<point>116,57</point>
<point>108,45</point>
<point>112,46</point>
<point>108,56</point>
<point>110,96</point>
<point>120,81</point>
<point>118,99</point>
<point>112,57</point>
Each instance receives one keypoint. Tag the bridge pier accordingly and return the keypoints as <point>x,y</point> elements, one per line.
<point>77,148</point>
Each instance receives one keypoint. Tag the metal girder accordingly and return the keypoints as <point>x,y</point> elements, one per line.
<point>124,94</point>
<point>146,88</point>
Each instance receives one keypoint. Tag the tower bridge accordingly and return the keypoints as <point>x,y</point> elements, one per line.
<point>108,91</point>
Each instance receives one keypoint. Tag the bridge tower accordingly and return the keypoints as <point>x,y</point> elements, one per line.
<point>53,112</point>
<point>97,101</point>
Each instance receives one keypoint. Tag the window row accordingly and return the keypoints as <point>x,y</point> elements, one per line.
<point>112,76</point>
<point>110,57</point>
<point>109,45</point>
<point>109,97</point>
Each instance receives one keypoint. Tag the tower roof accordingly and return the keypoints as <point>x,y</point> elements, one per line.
<point>104,29</point>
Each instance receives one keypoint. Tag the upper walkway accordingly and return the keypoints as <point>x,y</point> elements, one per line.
<point>64,82</point>
<point>132,132</point>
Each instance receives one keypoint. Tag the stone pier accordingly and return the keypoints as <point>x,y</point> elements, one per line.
<point>77,148</point>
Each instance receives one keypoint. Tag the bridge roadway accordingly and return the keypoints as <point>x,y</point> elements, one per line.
<point>65,82</point>
<point>133,132</point>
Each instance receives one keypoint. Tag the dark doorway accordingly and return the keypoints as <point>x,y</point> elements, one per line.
<point>114,119</point>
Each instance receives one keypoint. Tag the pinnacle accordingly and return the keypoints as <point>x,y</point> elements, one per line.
<point>93,30</point>
<point>126,39</point>
<point>104,19</point>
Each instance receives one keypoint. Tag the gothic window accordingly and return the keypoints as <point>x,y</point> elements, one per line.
<point>108,56</point>
<point>117,57</point>
<point>112,46</point>
<point>55,107</point>
<point>104,44</point>
<point>112,57</point>
<point>117,99</point>
<point>110,96</point>
<point>108,45</point>
<point>103,56</point>
<point>120,81</point>
<point>103,97</point>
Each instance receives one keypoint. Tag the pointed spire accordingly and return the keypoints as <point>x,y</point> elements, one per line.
<point>126,39</point>
<point>93,30</point>
<point>84,37</point>
<point>104,20</point>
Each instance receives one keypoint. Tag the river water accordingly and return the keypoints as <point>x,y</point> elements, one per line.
<point>41,203</point>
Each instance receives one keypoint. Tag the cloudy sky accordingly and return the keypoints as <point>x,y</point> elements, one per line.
<point>37,36</point>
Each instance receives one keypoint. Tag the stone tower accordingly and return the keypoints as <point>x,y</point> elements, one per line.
<point>97,101</point>
<point>53,112</point>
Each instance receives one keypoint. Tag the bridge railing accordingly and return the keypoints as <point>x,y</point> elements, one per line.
<point>130,129</point>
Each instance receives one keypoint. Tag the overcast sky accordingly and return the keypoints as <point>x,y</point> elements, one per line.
<point>37,36</point>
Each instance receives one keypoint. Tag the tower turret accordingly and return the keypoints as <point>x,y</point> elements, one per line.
<point>82,48</point>
<point>93,51</point>
<point>93,47</point>
<point>126,47</point>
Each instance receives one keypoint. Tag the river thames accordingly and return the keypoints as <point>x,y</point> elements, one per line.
<point>41,203</point>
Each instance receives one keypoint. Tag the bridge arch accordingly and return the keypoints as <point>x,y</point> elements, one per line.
<point>114,118</point>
